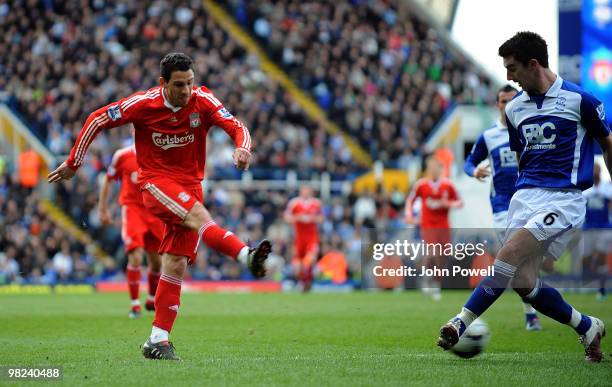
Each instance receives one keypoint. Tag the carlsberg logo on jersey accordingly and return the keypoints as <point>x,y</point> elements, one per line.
<point>166,141</point>
<point>540,136</point>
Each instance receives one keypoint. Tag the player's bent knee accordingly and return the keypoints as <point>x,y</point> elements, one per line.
<point>518,248</point>
<point>174,265</point>
<point>135,257</point>
<point>196,217</point>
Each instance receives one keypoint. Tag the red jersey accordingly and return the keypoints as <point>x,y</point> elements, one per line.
<point>170,141</point>
<point>125,168</point>
<point>432,193</point>
<point>307,208</point>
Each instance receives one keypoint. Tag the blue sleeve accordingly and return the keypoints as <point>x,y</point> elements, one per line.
<point>515,140</point>
<point>593,116</point>
<point>479,152</point>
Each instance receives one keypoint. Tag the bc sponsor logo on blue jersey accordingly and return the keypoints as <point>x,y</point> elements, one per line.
<point>540,136</point>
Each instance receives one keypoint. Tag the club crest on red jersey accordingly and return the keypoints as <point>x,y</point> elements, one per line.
<point>184,196</point>
<point>114,112</point>
<point>194,120</point>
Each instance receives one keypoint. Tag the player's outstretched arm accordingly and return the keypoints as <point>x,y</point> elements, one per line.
<point>242,158</point>
<point>238,132</point>
<point>593,119</point>
<point>288,214</point>
<point>112,115</point>
<point>61,173</point>
<point>103,211</point>
<point>409,217</point>
<point>477,155</point>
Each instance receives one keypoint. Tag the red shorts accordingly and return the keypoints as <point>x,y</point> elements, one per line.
<point>171,202</point>
<point>436,235</point>
<point>140,229</point>
<point>305,250</point>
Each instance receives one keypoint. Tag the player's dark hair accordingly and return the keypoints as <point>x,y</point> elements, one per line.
<point>174,61</point>
<point>525,46</point>
<point>505,89</point>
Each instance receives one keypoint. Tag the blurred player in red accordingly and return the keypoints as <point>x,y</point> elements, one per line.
<point>140,230</point>
<point>305,213</point>
<point>438,195</point>
<point>171,122</point>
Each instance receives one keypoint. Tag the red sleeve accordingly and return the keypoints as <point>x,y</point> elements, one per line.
<point>115,114</point>
<point>291,206</point>
<point>222,118</point>
<point>452,191</point>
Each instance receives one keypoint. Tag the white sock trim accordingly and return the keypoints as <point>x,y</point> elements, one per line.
<point>504,268</point>
<point>135,302</point>
<point>158,334</point>
<point>170,279</point>
<point>467,316</point>
<point>534,291</point>
<point>575,319</point>
<point>243,255</point>
<point>529,309</point>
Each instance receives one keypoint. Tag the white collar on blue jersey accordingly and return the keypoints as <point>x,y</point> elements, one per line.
<point>168,104</point>
<point>553,91</point>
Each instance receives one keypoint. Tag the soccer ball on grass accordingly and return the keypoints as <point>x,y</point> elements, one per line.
<point>473,341</point>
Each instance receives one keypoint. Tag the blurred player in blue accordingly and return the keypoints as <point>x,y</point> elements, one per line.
<point>553,126</point>
<point>597,231</point>
<point>493,144</point>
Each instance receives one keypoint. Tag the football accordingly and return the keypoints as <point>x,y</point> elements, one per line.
<point>473,341</point>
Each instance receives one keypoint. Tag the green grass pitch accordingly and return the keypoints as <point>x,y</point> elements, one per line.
<point>294,339</point>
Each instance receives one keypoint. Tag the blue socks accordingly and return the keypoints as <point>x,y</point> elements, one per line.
<point>490,288</point>
<point>543,298</point>
<point>548,301</point>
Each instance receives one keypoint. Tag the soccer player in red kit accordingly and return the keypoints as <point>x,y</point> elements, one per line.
<point>305,213</point>
<point>438,195</point>
<point>171,122</point>
<point>140,230</point>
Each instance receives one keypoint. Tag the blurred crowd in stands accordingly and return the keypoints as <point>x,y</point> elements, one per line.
<point>32,248</point>
<point>35,250</point>
<point>382,73</point>
<point>61,60</point>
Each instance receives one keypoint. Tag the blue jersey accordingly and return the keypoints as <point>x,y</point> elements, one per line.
<point>598,207</point>
<point>554,135</point>
<point>494,144</point>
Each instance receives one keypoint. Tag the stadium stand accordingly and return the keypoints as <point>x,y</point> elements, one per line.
<point>62,60</point>
<point>382,73</point>
<point>35,250</point>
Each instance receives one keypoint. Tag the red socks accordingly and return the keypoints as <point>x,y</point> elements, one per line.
<point>153,280</point>
<point>167,302</point>
<point>132,274</point>
<point>221,240</point>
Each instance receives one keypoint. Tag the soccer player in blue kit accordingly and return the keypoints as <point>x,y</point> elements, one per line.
<point>597,231</point>
<point>493,144</point>
<point>553,125</point>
